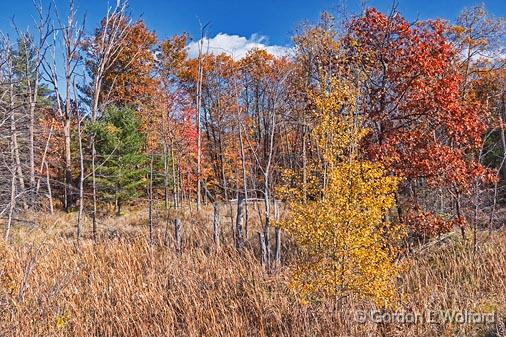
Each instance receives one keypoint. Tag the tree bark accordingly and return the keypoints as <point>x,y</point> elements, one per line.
<point>94,189</point>
<point>81,181</point>
<point>150,196</point>
<point>277,249</point>
<point>12,202</point>
<point>244,181</point>
<point>68,165</point>
<point>267,205</point>
<point>239,239</point>
<point>174,177</point>
<point>178,236</point>
<point>263,249</point>
<point>216,223</point>
<point>502,115</point>
<point>49,192</point>
<point>33,102</point>
<point>199,126</point>
<point>14,138</point>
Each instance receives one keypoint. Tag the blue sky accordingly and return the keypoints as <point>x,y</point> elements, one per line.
<point>272,21</point>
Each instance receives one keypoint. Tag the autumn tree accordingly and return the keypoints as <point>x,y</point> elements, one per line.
<point>171,62</point>
<point>337,217</point>
<point>264,99</point>
<point>315,48</point>
<point>129,79</point>
<point>478,38</point>
<point>217,115</point>
<point>421,129</point>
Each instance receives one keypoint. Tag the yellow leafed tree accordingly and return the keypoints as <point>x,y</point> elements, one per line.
<point>338,217</point>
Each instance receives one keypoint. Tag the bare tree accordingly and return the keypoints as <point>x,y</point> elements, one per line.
<point>199,106</point>
<point>32,74</point>
<point>9,106</point>
<point>71,32</point>
<point>14,131</point>
<point>81,169</point>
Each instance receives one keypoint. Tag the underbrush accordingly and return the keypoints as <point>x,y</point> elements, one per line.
<point>124,286</point>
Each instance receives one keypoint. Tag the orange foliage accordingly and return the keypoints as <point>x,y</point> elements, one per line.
<point>420,126</point>
<point>129,80</point>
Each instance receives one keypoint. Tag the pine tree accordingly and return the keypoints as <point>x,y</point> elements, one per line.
<point>119,146</point>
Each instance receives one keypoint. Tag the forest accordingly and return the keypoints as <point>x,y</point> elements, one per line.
<point>147,191</point>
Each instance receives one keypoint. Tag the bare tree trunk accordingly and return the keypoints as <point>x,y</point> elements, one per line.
<point>94,188</point>
<point>502,115</point>
<point>49,192</point>
<point>14,135</point>
<point>216,223</point>
<point>68,165</point>
<point>118,207</point>
<point>475,215</point>
<point>165,184</point>
<point>239,239</point>
<point>178,236</point>
<point>267,174</point>
<point>263,249</point>
<point>267,205</point>
<point>33,101</point>
<point>244,181</point>
<point>81,180</point>
<point>13,145</point>
<point>304,163</point>
<point>199,126</point>
<point>182,190</point>
<point>12,203</point>
<point>44,154</point>
<point>106,49</point>
<point>150,196</point>
<point>277,250</point>
<point>231,217</point>
<point>459,215</point>
<point>174,176</point>
<point>165,175</point>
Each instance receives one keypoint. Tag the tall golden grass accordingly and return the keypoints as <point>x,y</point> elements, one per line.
<point>125,286</point>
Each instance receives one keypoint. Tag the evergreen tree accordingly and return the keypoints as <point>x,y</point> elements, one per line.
<point>119,145</point>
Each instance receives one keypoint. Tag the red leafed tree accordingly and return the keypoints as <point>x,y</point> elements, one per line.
<point>420,126</point>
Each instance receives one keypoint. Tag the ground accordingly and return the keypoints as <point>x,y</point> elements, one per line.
<point>50,285</point>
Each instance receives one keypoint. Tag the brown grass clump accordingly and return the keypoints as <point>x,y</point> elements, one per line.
<point>123,286</point>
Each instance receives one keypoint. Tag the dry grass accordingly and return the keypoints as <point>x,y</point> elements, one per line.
<point>123,286</point>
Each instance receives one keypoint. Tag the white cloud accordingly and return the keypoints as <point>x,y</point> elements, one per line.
<point>235,45</point>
